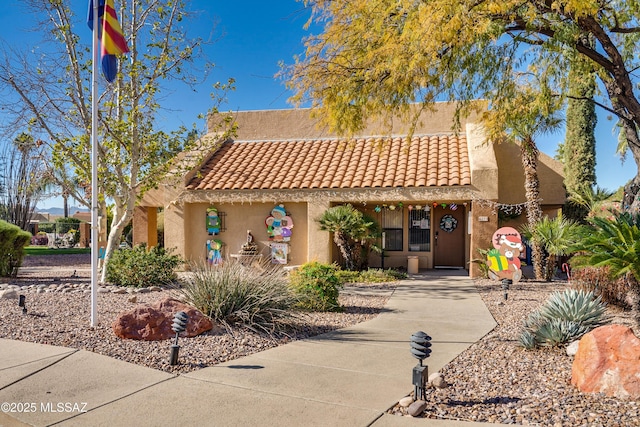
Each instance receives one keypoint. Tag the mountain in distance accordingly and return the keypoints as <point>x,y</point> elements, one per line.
<point>60,211</point>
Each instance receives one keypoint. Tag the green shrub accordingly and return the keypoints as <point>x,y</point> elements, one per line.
<point>317,286</point>
<point>140,267</point>
<point>613,243</point>
<point>12,243</point>
<point>231,293</point>
<point>565,316</point>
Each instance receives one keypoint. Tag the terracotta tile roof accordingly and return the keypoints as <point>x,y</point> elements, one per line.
<point>428,161</point>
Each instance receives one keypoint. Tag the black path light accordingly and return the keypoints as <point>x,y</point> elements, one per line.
<point>505,287</point>
<point>420,349</point>
<point>22,303</point>
<point>179,325</point>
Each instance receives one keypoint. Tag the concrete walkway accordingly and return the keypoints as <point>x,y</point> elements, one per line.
<point>348,377</point>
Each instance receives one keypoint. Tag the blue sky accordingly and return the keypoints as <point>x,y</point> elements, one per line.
<point>251,38</point>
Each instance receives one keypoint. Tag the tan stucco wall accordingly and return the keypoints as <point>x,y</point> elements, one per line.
<point>238,218</point>
<point>148,234</point>
<point>268,124</point>
<point>552,191</point>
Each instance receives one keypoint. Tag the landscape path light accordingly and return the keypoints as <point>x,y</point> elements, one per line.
<point>22,303</point>
<point>505,287</point>
<point>180,320</point>
<point>420,349</point>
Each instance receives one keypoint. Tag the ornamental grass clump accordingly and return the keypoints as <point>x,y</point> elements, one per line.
<point>566,316</point>
<point>232,294</point>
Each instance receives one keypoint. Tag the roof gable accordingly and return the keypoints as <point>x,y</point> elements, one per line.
<point>334,163</point>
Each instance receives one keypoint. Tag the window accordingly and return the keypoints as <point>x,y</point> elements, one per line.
<point>392,228</point>
<point>419,230</point>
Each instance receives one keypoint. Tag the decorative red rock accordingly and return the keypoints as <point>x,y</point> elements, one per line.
<point>151,322</point>
<point>608,361</point>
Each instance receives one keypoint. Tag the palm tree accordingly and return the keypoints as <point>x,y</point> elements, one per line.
<point>520,119</point>
<point>350,229</point>
<point>555,236</point>
<point>366,237</point>
<point>589,198</point>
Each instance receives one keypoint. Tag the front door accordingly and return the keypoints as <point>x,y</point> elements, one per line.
<point>448,236</point>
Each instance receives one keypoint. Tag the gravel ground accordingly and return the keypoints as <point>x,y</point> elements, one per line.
<point>493,381</point>
<point>63,319</point>
<point>497,381</point>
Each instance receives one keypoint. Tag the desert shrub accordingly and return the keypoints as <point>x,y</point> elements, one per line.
<point>316,286</point>
<point>348,276</point>
<point>12,242</point>
<point>564,317</point>
<point>231,293</point>
<point>599,280</point>
<point>376,275</point>
<point>140,267</point>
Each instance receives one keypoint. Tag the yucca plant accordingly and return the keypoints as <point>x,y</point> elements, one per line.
<point>564,317</point>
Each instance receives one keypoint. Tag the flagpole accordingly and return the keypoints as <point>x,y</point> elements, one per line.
<point>94,169</point>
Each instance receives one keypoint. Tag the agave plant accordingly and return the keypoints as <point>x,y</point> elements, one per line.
<point>558,331</point>
<point>566,316</point>
<point>575,306</point>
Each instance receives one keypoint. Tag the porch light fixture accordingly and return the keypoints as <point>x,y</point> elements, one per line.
<point>179,325</point>
<point>420,349</point>
<point>23,304</point>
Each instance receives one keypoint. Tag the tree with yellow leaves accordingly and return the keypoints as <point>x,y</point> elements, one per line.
<point>373,58</point>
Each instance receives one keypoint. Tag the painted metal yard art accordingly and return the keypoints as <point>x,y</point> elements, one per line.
<point>214,251</point>
<point>279,225</point>
<point>213,221</point>
<point>504,259</point>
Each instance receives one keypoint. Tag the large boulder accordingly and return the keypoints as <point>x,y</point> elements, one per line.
<point>152,322</point>
<point>608,361</point>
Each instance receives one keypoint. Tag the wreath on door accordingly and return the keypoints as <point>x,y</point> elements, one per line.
<point>448,223</point>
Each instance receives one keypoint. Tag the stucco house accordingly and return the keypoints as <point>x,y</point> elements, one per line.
<point>437,197</point>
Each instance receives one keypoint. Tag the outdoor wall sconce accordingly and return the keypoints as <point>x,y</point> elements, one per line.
<point>179,325</point>
<point>505,287</point>
<point>420,349</point>
<point>23,304</point>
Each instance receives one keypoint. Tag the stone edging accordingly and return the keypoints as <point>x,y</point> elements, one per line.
<point>11,291</point>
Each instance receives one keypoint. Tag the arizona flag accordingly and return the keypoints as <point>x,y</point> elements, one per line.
<point>111,37</point>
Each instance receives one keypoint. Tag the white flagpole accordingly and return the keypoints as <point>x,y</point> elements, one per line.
<point>94,170</point>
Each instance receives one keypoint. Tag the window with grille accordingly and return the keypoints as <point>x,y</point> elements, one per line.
<point>419,230</point>
<point>392,228</point>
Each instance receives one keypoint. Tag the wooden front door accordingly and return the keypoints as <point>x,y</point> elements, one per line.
<point>448,235</point>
